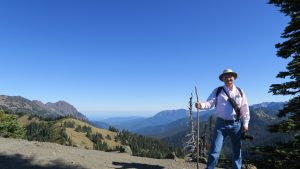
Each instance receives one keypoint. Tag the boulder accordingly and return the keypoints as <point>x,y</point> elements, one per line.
<point>125,149</point>
<point>248,166</point>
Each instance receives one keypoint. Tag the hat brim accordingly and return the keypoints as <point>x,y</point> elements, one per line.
<point>229,73</point>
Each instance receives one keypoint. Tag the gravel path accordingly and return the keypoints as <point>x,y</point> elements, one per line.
<point>23,154</point>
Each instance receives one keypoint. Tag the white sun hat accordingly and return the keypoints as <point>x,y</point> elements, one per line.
<point>228,71</point>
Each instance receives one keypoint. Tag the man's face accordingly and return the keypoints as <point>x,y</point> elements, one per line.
<point>228,79</point>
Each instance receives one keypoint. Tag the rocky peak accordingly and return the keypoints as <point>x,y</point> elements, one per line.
<point>20,104</point>
<point>62,108</point>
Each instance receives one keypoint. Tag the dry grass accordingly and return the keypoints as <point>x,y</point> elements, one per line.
<point>79,139</point>
<point>24,121</point>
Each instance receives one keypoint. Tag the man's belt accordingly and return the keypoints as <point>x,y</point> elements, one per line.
<point>228,121</point>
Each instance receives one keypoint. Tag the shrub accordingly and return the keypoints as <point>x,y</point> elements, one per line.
<point>9,127</point>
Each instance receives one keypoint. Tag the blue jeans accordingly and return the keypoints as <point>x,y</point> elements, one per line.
<point>222,129</point>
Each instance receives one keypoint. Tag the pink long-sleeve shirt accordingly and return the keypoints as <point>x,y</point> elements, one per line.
<point>224,109</point>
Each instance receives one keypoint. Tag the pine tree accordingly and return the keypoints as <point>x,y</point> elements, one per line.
<point>9,126</point>
<point>190,144</point>
<point>287,155</point>
<point>78,128</point>
<point>290,49</point>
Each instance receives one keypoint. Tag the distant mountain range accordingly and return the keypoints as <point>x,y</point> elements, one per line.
<point>175,126</point>
<point>121,120</point>
<point>18,104</point>
<point>122,123</point>
<point>136,124</point>
<point>155,125</point>
<point>168,120</point>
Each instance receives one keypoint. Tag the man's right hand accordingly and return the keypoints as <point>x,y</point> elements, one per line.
<point>198,105</point>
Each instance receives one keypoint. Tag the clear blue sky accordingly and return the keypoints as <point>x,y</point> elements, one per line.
<point>136,57</point>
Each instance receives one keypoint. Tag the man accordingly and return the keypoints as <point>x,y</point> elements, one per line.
<point>229,118</point>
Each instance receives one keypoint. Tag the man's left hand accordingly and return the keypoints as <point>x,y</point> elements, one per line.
<point>244,129</point>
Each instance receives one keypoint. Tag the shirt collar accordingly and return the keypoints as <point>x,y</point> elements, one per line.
<point>227,89</point>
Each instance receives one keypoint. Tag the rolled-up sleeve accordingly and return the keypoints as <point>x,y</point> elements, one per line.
<point>210,102</point>
<point>245,113</point>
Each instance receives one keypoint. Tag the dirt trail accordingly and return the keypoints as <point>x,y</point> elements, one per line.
<point>22,154</point>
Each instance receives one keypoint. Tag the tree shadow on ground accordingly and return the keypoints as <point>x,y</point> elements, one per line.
<point>124,165</point>
<point>18,161</point>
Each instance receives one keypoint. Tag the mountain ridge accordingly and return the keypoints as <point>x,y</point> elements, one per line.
<point>160,118</point>
<point>19,104</point>
<point>166,117</point>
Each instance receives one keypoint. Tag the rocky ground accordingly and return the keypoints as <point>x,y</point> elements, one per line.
<point>22,154</point>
